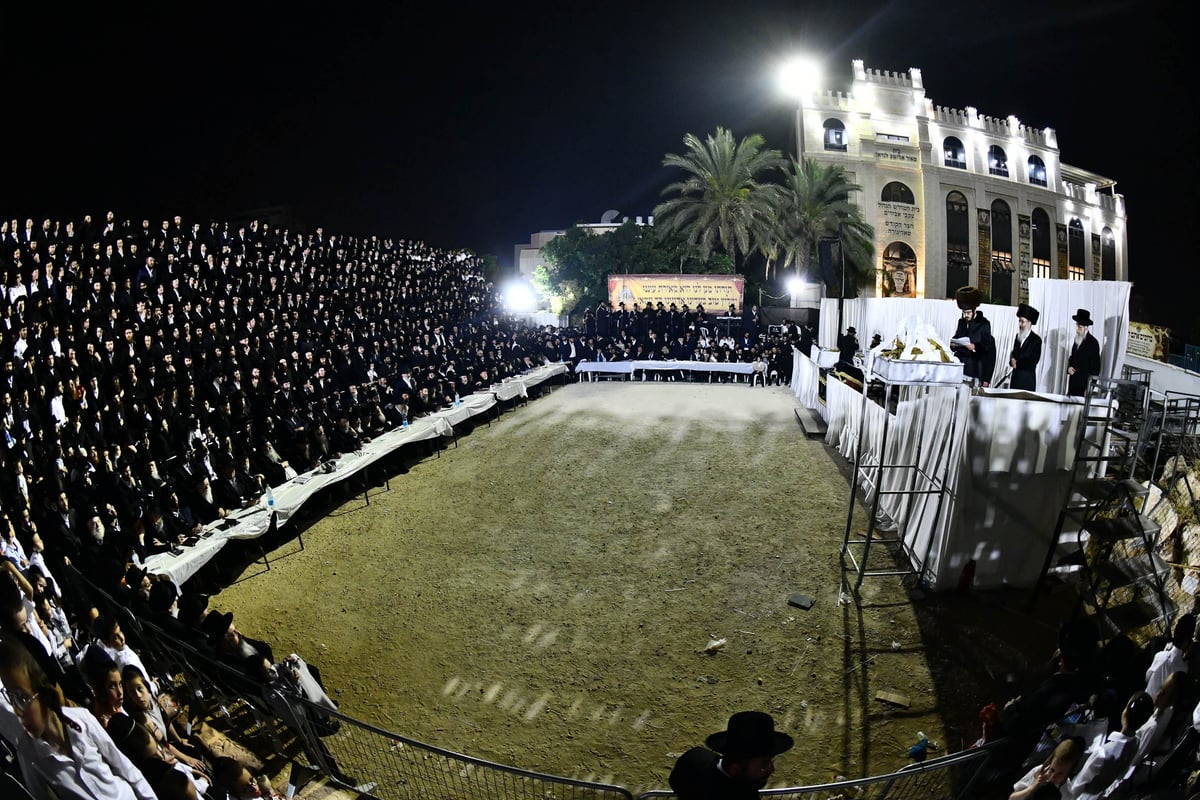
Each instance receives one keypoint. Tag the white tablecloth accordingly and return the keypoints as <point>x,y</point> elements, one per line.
<point>591,368</point>
<point>253,522</point>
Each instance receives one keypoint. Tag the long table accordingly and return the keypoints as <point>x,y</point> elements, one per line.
<point>592,368</point>
<point>253,522</point>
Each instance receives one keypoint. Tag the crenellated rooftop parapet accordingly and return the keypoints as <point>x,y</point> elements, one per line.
<point>1006,127</point>
<point>907,80</point>
<point>832,101</point>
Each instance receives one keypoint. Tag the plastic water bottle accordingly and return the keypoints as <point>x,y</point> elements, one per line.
<point>270,499</point>
<point>457,401</point>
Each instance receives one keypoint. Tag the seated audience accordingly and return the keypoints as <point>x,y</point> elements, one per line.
<point>64,751</point>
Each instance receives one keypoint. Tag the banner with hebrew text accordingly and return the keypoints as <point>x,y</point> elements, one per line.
<point>715,292</point>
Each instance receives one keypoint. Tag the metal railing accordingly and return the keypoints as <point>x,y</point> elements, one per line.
<point>391,766</point>
<point>404,768</point>
<point>953,777</point>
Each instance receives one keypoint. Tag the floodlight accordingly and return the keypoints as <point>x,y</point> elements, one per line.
<point>799,77</point>
<point>519,297</point>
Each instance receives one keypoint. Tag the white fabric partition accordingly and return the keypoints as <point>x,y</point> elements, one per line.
<point>1007,466</point>
<point>884,315</point>
<point>806,381</point>
<point>1057,301</point>
<point>1016,471</point>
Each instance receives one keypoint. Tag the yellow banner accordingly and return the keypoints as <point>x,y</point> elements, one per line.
<point>1149,341</point>
<point>714,292</point>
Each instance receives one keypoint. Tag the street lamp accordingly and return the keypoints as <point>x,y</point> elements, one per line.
<point>799,78</point>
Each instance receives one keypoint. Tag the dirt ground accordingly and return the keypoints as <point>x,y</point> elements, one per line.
<point>545,594</point>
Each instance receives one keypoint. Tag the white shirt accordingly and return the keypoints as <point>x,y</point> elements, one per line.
<point>95,769</point>
<point>1166,661</point>
<point>1064,791</point>
<point>126,656</point>
<point>1107,763</point>
<point>10,724</point>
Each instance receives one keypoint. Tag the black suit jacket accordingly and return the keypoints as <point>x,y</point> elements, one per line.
<point>1027,356</point>
<point>696,777</point>
<point>1085,358</point>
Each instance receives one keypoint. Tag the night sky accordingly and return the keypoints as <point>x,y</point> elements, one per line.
<point>475,126</point>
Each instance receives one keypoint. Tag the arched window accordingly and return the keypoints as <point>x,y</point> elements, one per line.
<point>1108,255</point>
<point>835,135</point>
<point>997,161</point>
<point>958,243</point>
<point>1043,266</point>
<point>899,271</point>
<point>1076,258</point>
<point>1037,171</point>
<point>1002,250</point>
<point>955,153</point>
<point>897,192</point>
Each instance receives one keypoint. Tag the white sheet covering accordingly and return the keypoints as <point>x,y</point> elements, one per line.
<point>1009,456</point>
<point>1056,301</point>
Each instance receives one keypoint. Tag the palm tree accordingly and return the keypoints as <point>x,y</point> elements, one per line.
<point>722,199</point>
<point>815,204</point>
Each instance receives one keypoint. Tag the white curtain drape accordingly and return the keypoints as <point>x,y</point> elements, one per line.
<point>1058,300</point>
<point>806,380</point>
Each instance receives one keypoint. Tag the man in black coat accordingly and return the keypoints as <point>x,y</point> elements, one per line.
<point>1085,355</point>
<point>1027,350</point>
<point>847,345</point>
<point>735,764</point>
<point>978,354</point>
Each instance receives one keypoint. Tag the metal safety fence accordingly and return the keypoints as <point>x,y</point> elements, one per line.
<point>953,777</point>
<point>391,766</point>
<point>400,768</point>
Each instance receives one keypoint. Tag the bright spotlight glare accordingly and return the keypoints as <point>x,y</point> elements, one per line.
<point>519,297</point>
<point>795,286</point>
<point>800,76</point>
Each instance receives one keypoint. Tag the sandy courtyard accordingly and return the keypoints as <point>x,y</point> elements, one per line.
<point>543,594</point>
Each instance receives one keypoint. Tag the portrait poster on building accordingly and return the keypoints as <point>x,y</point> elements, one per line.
<point>715,292</point>
<point>1149,341</point>
<point>899,277</point>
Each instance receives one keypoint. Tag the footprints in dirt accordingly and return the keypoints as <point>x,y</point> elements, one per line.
<point>529,705</point>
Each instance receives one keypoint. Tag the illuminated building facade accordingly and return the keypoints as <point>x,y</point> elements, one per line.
<point>959,198</point>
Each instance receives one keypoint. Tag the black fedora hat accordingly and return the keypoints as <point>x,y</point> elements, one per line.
<point>1083,317</point>
<point>216,624</point>
<point>1028,312</point>
<point>750,733</point>
<point>162,595</point>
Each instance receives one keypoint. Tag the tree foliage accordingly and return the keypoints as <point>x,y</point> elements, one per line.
<point>815,204</point>
<point>724,195</point>
<point>578,263</point>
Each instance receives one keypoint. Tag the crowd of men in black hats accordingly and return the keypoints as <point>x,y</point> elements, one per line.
<point>157,375</point>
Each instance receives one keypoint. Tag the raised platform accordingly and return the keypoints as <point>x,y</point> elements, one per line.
<point>813,426</point>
